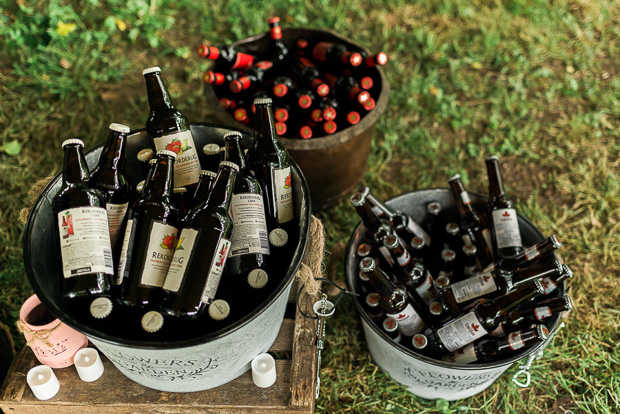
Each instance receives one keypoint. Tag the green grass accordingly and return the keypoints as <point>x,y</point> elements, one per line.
<point>536,82</point>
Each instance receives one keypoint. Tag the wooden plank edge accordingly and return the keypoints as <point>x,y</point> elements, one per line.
<point>303,369</point>
<point>15,382</point>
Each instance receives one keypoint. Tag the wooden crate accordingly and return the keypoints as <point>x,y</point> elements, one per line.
<point>293,391</point>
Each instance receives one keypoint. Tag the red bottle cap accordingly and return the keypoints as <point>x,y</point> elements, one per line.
<point>366,82</point>
<point>209,52</point>
<point>317,115</point>
<point>330,127</point>
<point>280,128</point>
<point>202,50</point>
<point>240,84</point>
<point>329,113</point>
<point>208,77</point>
<point>281,114</point>
<point>240,114</point>
<point>352,58</point>
<point>381,58</point>
<point>280,90</point>
<point>228,103</point>
<point>275,32</point>
<point>360,96</point>
<point>305,132</point>
<point>302,43</point>
<point>369,104</point>
<point>305,101</point>
<point>322,89</point>
<point>353,117</point>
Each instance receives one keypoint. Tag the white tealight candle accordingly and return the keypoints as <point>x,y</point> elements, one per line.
<point>264,370</point>
<point>88,364</point>
<point>42,382</point>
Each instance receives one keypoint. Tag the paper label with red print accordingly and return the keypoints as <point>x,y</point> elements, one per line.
<point>542,312</point>
<point>378,212</point>
<point>548,285</point>
<point>409,322</point>
<point>116,217</point>
<point>465,197</point>
<point>506,228</point>
<point>85,241</point>
<point>404,258</point>
<point>216,270</point>
<point>122,262</point>
<point>180,260</point>
<point>531,253</point>
<point>249,234</point>
<point>464,355</point>
<point>187,165</point>
<point>461,331</point>
<point>474,287</point>
<point>515,341</point>
<point>427,290</point>
<point>418,231</point>
<point>283,189</point>
<point>160,250</point>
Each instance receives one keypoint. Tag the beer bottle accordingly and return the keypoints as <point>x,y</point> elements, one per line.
<point>377,59</point>
<point>169,130</point>
<point>490,350</point>
<point>346,86</point>
<point>410,273</point>
<point>528,256</point>
<point>335,53</point>
<point>249,243</point>
<point>144,156</point>
<point>81,229</point>
<point>375,229</point>
<point>363,250</point>
<point>270,162</point>
<point>308,75</point>
<point>373,309</point>
<point>179,199</point>
<point>390,327</point>
<point>484,317</point>
<point>365,285</point>
<point>504,224</point>
<point>496,282</point>
<point>470,264</point>
<point>212,155</point>
<point>226,56</point>
<point>109,178</point>
<point>393,300</point>
<point>218,80</point>
<point>252,78</point>
<point>202,189</point>
<point>447,264</point>
<point>281,86</point>
<point>533,313</point>
<point>452,239</point>
<point>242,115</point>
<point>150,237</point>
<point>276,51</point>
<point>472,229</point>
<point>202,250</point>
<point>418,249</point>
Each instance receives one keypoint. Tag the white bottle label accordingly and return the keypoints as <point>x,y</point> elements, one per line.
<point>180,259</point>
<point>465,197</point>
<point>474,287</point>
<point>461,331</point>
<point>215,272</point>
<point>427,291</point>
<point>283,189</point>
<point>378,212</point>
<point>464,355</point>
<point>116,215</point>
<point>249,235</point>
<point>404,258</point>
<point>515,341</point>
<point>506,228</point>
<point>85,241</point>
<point>161,245</point>
<point>548,285</point>
<point>542,312</point>
<point>124,251</point>
<point>409,322</point>
<point>418,231</point>
<point>187,164</point>
<point>531,253</point>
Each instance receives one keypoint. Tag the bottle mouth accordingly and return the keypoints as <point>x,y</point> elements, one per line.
<point>280,128</point>
<point>305,101</point>
<point>330,127</point>
<point>281,114</point>
<point>305,132</point>
<point>363,97</point>
<point>370,104</point>
<point>329,113</point>
<point>366,82</point>
<point>322,89</point>
<point>262,101</point>
<point>280,90</point>
<point>381,59</point>
<point>367,264</point>
<point>148,71</point>
<point>390,241</point>
<point>353,117</point>
<point>73,141</point>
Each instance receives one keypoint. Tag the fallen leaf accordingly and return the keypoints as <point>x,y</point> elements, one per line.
<point>65,63</point>
<point>12,148</point>
<point>63,29</point>
<point>476,65</point>
<point>433,90</point>
<point>122,26</point>
<point>570,69</point>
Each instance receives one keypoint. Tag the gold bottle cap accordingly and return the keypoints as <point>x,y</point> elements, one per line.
<point>211,149</point>
<point>122,128</point>
<point>262,101</point>
<point>101,307</point>
<point>151,70</point>
<point>258,278</point>
<point>232,134</point>
<point>152,321</point>
<point>208,172</point>
<point>146,154</point>
<point>278,237</point>
<point>168,153</point>
<point>219,309</point>
<point>230,164</point>
<point>73,141</point>
<point>179,190</point>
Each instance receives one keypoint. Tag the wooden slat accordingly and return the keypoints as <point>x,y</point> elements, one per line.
<point>284,341</point>
<point>303,375</point>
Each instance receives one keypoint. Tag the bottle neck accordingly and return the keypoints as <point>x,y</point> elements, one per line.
<point>114,152</point>
<point>74,170</point>
<point>388,212</point>
<point>159,183</point>
<point>222,190</point>
<point>536,252</point>
<point>530,274</point>
<point>513,300</point>
<point>496,186</point>
<point>266,140</point>
<point>234,153</point>
<point>518,340</point>
<point>157,92</point>
<point>461,197</point>
<point>384,286</point>
<point>368,217</point>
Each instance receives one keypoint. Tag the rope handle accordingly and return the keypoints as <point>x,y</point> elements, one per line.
<point>41,336</point>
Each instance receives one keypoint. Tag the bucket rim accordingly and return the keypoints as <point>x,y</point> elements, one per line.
<point>296,260</point>
<point>399,347</point>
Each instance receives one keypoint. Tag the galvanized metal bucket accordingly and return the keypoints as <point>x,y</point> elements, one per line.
<point>201,362</point>
<point>423,376</point>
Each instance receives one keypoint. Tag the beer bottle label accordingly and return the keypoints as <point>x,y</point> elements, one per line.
<point>465,197</point>
<point>180,259</point>
<point>427,290</point>
<point>464,355</point>
<point>160,249</point>
<point>409,322</point>
<point>187,165</point>
<point>249,234</point>
<point>215,272</point>
<point>531,253</point>
<point>116,215</point>
<point>127,243</point>
<point>404,258</point>
<point>378,212</point>
<point>283,190</point>
<point>548,285</point>
<point>506,228</point>
<point>85,241</point>
<point>461,331</point>
<point>515,341</point>
<point>542,312</point>
<point>474,287</point>
<point>418,231</point>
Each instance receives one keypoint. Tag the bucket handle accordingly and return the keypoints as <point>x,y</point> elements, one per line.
<point>525,369</point>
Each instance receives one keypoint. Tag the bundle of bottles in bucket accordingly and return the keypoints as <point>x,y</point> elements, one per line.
<point>463,288</point>
<point>318,87</point>
<point>192,242</point>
